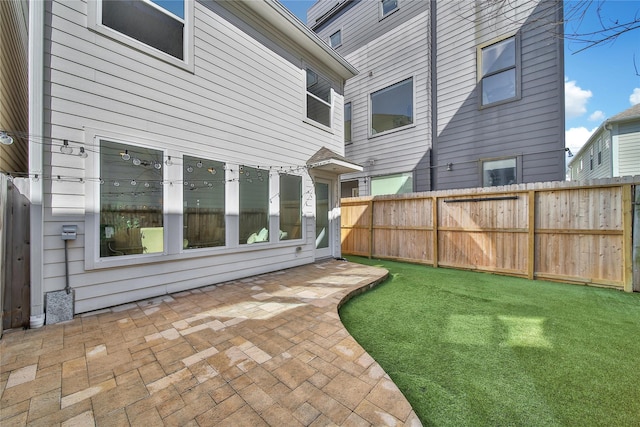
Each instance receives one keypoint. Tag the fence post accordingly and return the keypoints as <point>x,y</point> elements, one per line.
<point>627,218</point>
<point>531,258</point>
<point>636,240</point>
<point>370,228</point>
<point>434,219</point>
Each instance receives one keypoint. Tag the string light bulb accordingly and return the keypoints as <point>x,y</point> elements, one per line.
<point>136,161</point>
<point>168,162</point>
<point>5,139</point>
<point>199,164</point>
<point>212,171</point>
<point>83,153</point>
<point>126,156</point>
<point>66,149</point>
<point>157,165</point>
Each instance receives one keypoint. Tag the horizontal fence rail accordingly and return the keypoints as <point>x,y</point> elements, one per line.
<point>577,232</point>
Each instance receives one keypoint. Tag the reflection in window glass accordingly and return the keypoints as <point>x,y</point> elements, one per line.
<point>498,172</point>
<point>203,200</point>
<point>392,107</point>
<point>290,207</point>
<point>318,98</point>
<point>147,24</point>
<point>388,6</point>
<point>254,205</point>
<point>131,192</point>
<point>347,122</point>
<point>392,184</point>
<point>499,71</point>
<point>336,39</point>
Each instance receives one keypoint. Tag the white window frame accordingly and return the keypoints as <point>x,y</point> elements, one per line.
<point>413,108</point>
<point>517,67</point>
<point>92,223</point>
<point>381,14</point>
<point>330,104</point>
<point>94,22</point>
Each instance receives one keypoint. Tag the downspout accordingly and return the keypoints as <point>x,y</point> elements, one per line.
<point>433,158</point>
<point>36,132</point>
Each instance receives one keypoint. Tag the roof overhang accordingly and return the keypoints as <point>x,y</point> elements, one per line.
<point>335,166</point>
<point>332,162</point>
<point>287,23</point>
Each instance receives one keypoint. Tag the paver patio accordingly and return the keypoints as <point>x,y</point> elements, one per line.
<point>266,350</point>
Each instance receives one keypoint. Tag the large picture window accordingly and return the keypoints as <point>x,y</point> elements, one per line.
<point>254,205</point>
<point>499,172</point>
<point>204,203</point>
<point>318,98</point>
<point>498,71</point>
<point>290,207</point>
<point>131,200</point>
<point>392,107</point>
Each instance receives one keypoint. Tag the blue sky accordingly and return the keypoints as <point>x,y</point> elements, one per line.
<point>600,81</point>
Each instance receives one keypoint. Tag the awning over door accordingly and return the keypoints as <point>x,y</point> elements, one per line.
<point>329,161</point>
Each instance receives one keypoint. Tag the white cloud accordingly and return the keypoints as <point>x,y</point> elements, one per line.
<point>597,116</point>
<point>575,138</point>
<point>635,96</point>
<point>575,99</point>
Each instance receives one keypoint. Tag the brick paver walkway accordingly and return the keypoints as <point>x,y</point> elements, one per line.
<point>267,350</point>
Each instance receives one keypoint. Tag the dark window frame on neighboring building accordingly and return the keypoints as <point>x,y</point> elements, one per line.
<point>335,39</point>
<point>348,111</point>
<point>387,7</point>
<point>489,179</point>
<point>499,71</point>
<point>381,123</point>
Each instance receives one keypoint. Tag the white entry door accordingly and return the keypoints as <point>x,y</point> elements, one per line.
<point>324,234</point>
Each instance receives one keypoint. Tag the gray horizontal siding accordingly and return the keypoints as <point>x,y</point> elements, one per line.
<point>532,124</point>
<point>243,104</point>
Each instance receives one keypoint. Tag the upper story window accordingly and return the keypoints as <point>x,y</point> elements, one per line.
<point>319,98</point>
<point>392,107</point>
<point>498,71</point>
<point>387,7</point>
<point>159,27</point>
<point>335,39</point>
<point>347,122</point>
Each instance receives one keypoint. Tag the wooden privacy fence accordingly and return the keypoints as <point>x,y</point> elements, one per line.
<point>15,280</point>
<point>560,231</point>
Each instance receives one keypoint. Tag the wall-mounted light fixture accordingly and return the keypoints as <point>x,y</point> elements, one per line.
<point>569,153</point>
<point>5,139</point>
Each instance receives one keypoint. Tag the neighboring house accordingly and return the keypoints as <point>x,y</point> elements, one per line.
<point>613,149</point>
<point>451,94</point>
<point>189,146</point>
<point>14,90</point>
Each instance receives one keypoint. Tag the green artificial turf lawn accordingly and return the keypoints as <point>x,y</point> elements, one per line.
<point>475,349</point>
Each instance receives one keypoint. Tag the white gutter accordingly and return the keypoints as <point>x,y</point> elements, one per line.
<point>36,133</point>
<point>280,17</point>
